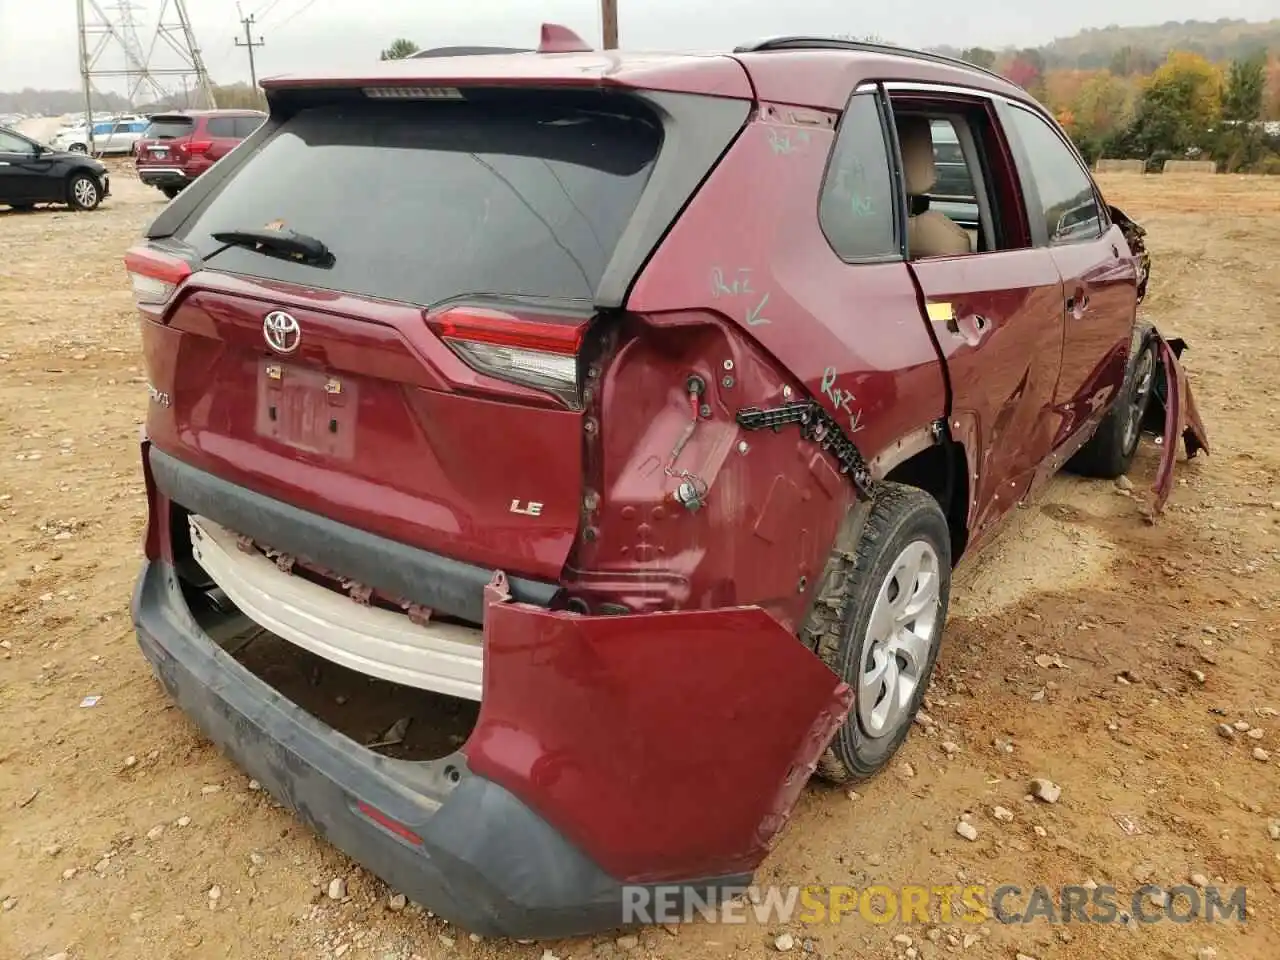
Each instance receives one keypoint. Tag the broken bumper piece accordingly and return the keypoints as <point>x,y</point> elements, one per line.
<point>1172,415</point>
<point>611,754</point>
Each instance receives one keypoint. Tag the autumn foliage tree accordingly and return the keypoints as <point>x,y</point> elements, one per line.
<point>1179,106</point>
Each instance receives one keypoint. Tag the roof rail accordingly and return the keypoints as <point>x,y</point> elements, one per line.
<point>466,51</point>
<point>861,46</point>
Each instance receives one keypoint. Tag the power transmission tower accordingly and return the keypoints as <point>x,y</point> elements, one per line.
<point>249,44</point>
<point>609,20</point>
<point>114,31</point>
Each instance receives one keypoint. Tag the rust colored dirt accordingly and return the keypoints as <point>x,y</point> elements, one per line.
<point>120,824</point>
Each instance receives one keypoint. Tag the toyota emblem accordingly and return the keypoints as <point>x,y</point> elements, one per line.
<point>281,332</point>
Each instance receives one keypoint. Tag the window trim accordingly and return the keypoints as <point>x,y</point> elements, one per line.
<point>1030,186</point>
<point>889,141</point>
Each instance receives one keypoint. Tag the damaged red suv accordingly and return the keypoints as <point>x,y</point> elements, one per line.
<point>645,403</point>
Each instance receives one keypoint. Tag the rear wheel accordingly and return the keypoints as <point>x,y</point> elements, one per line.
<point>78,148</point>
<point>1110,451</point>
<point>83,192</point>
<point>171,192</point>
<point>878,624</point>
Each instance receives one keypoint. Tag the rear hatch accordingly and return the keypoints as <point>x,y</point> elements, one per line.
<point>409,358</point>
<point>164,142</point>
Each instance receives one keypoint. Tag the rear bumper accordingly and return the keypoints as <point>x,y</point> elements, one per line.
<point>164,176</point>
<point>612,754</point>
<point>474,853</point>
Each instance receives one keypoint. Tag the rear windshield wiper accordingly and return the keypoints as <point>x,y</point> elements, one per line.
<point>287,244</point>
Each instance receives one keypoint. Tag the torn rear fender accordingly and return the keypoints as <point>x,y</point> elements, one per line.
<point>1173,414</point>
<point>664,745</point>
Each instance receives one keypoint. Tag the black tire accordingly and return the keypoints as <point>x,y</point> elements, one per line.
<point>78,148</point>
<point>1109,453</point>
<point>838,626</point>
<point>171,192</point>
<point>84,192</point>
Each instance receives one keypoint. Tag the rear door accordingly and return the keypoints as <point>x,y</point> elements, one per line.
<point>996,312</point>
<point>1100,279</point>
<point>420,382</point>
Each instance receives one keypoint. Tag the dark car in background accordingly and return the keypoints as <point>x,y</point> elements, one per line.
<point>178,147</point>
<point>32,173</point>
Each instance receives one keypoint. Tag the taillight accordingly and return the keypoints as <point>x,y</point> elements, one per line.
<point>154,277</point>
<point>532,351</point>
<point>199,146</point>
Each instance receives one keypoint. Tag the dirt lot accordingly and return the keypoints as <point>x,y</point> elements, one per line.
<point>120,822</point>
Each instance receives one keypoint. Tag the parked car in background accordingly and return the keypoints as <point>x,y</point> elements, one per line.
<point>117,136</point>
<point>647,401</point>
<point>32,173</point>
<point>178,147</point>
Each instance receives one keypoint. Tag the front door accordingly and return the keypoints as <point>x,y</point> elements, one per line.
<point>1100,280</point>
<point>19,179</point>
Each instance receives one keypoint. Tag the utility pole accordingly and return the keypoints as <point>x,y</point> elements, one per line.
<point>249,44</point>
<point>609,20</point>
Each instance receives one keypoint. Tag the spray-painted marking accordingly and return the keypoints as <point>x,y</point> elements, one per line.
<point>785,143</point>
<point>842,398</point>
<point>734,284</point>
<point>754,316</point>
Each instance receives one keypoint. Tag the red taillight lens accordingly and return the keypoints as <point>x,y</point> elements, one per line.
<point>533,351</point>
<point>154,276</point>
<point>199,146</point>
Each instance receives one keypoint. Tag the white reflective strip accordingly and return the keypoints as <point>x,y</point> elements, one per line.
<point>441,657</point>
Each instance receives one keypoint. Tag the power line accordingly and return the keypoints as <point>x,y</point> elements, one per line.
<point>262,14</point>
<point>297,13</point>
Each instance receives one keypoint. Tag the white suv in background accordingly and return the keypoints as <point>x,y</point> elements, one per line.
<point>118,135</point>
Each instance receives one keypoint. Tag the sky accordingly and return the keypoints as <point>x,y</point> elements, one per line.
<point>38,46</point>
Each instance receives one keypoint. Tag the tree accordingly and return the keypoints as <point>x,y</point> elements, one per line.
<point>400,49</point>
<point>979,57</point>
<point>1246,83</point>
<point>1027,72</point>
<point>1240,142</point>
<point>1102,106</point>
<point>1179,107</point>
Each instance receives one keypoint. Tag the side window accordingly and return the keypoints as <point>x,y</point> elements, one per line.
<point>1067,199</point>
<point>246,126</point>
<point>12,144</point>
<point>856,209</point>
<point>221,127</point>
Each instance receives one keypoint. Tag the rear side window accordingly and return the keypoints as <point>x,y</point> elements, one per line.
<point>169,128</point>
<point>1067,199</point>
<point>856,207</point>
<point>246,125</point>
<point>422,202</point>
<point>221,126</point>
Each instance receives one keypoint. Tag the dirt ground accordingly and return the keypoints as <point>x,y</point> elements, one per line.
<point>120,821</point>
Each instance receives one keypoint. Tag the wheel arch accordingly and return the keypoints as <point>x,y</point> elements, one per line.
<point>939,468</point>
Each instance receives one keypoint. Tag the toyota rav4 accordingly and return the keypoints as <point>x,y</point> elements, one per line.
<point>645,401</point>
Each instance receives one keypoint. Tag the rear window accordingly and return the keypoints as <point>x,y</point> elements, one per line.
<point>169,128</point>
<point>422,202</point>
